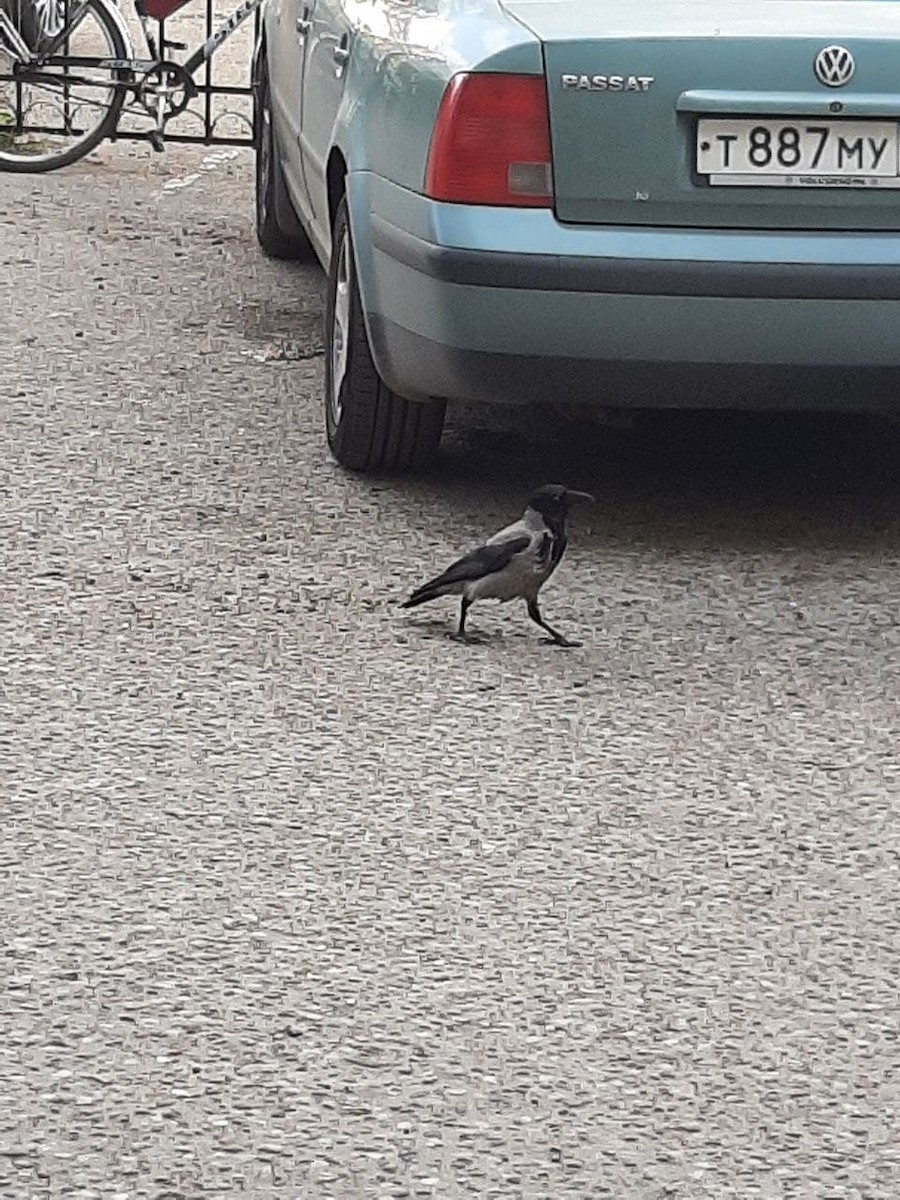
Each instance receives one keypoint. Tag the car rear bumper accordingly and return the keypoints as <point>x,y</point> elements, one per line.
<point>511,306</point>
<point>611,276</point>
<point>419,367</point>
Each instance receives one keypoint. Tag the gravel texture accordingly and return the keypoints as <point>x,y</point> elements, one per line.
<point>302,899</point>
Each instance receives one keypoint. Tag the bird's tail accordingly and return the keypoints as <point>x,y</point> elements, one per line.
<point>438,586</point>
<point>421,596</point>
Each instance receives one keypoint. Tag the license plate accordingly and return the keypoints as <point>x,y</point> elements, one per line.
<point>799,153</point>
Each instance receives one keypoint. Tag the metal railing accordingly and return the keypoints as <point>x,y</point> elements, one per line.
<point>208,90</point>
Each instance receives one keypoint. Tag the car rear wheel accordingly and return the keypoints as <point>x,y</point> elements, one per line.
<point>369,427</point>
<point>278,230</point>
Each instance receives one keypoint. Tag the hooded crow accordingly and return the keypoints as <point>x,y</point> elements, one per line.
<point>514,564</point>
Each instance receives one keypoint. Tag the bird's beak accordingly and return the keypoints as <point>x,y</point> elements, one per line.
<point>581,496</point>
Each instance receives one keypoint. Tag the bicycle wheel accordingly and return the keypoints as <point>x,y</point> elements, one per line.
<point>64,109</point>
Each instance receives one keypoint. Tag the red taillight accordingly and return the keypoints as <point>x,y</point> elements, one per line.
<point>491,142</point>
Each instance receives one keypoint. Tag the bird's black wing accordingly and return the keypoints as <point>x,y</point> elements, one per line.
<point>485,560</point>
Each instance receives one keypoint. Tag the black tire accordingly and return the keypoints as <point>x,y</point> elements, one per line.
<point>369,427</point>
<point>278,230</point>
<point>38,164</point>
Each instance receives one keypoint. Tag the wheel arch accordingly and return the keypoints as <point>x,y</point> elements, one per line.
<point>336,182</point>
<point>354,191</point>
<point>368,279</point>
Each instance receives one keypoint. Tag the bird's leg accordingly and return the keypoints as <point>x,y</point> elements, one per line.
<point>460,634</point>
<point>557,638</point>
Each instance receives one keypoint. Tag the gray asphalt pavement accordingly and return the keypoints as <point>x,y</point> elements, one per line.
<point>302,899</point>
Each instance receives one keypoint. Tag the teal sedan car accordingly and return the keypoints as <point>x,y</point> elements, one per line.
<point>610,203</point>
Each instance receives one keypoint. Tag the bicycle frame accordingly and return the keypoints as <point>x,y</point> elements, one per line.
<point>204,52</point>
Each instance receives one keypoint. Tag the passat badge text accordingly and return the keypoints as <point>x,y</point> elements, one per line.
<point>607,83</point>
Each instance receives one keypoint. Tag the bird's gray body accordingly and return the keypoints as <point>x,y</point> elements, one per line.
<point>513,564</point>
<point>527,570</point>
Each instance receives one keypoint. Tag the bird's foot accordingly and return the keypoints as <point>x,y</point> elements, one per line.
<point>469,639</point>
<point>562,643</point>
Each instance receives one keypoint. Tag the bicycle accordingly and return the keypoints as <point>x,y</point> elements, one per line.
<point>73,59</point>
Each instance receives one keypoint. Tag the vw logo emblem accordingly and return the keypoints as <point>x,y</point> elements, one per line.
<point>834,66</point>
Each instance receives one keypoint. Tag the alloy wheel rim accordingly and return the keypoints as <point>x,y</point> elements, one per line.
<point>263,160</point>
<point>340,329</point>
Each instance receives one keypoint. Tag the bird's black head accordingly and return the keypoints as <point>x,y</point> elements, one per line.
<point>552,500</point>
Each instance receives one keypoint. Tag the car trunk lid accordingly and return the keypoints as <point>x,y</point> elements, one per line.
<point>655,108</point>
